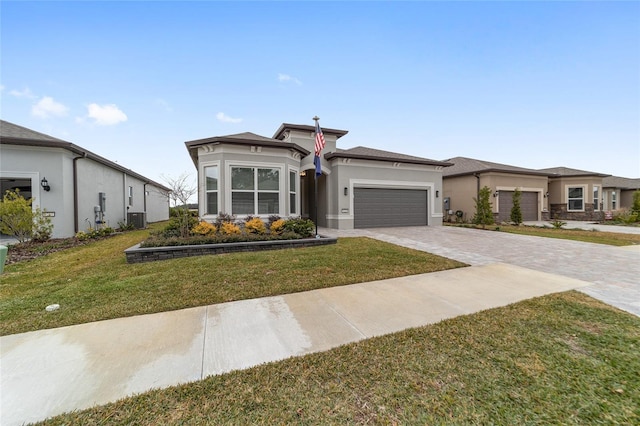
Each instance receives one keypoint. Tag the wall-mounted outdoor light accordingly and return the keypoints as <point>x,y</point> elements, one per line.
<point>45,184</point>
<point>303,173</point>
<point>346,191</point>
<point>437,193</point>
<point>546,195</point>
<point>495,194</point>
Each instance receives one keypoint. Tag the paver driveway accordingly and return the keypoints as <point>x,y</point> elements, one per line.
<point>613,271</point>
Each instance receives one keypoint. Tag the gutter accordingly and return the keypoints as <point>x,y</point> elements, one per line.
<point>75,192</point>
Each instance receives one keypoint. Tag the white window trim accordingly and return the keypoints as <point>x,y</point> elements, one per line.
<point>281,183</point>
<point>297,190</point>
<point>35,184</point>
<point>202,189</point>
<point>584,196</point>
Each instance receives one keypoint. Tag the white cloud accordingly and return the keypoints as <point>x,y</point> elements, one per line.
<point>286,77</point>
<point>25,93</point>
<point>47,107</point>
<point>221,116</point>
<point>106,115</point>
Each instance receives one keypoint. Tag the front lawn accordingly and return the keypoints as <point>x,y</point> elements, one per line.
<point>598,237</point>
<point>94,282</point>
<point>560,359</point>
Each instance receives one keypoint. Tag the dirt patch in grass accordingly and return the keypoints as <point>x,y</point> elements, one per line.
<point>23,252</point>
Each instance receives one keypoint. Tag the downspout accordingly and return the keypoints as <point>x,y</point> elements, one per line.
<point>76,226</point>
<point>144,189</point>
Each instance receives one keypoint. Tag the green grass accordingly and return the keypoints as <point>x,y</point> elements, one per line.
<point>559,359</point>
<point>598,237</point>
<point>94,282</point>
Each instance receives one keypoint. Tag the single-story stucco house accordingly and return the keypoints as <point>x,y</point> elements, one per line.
<point>77,188</point>
<point>618,192</point>
<point>248,174</point>
<point>554,193</point>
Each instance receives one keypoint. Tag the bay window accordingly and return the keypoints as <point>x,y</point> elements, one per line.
<point>255,190</point>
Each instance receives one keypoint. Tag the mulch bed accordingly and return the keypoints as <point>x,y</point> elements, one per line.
<point>22,252</point>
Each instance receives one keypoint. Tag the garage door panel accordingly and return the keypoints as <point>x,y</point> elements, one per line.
<point>528,206</point>
<point>377,207</point>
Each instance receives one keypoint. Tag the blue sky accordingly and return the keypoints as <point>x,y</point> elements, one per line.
<point>532,84</point>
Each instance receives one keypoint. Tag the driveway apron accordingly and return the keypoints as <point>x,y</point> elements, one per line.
<point>614,272</point>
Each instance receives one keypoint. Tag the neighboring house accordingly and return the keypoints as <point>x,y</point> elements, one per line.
<point>463,180</point>
<point>77,188</point>
<point>555,193</point>
<point>575,194</point>
<point>618,192</point>
<point>248,174</point>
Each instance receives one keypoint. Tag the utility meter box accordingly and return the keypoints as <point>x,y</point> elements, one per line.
<point>447,203</point>
<point>102,201</point>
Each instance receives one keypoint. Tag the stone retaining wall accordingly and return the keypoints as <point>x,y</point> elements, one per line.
<point>136,254</point>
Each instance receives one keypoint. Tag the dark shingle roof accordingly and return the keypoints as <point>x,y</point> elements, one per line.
<point>620,182</point>
<point>566,171</point>
<point>246,138</point>
<point>13,131</point>
<point>467,166</point>
<point>364,153</point>
<point>12,134</point>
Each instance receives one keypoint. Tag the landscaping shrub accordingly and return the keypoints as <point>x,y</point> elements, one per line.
<point>625,216</point>
<point>635,206</point>
<point>224,218</point>
<point>230,228</point>
<point>255,226</point>
<point>300,226</point>
<point>18,219</point>
<point>277,226</point>
<point>516,211</point>
<point>558,224</point>
<point>204,228</point>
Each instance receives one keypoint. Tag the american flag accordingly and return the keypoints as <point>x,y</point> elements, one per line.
<point>319,139</point>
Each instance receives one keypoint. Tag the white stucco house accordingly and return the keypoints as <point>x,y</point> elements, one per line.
<point>77,188</point>
<point>248,174</point>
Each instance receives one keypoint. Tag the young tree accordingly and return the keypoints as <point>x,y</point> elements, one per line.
<point>635,206</point>
<point>516,211</point>
<point>182,189</point>
<point>16,216</point>
<point>484,212</point>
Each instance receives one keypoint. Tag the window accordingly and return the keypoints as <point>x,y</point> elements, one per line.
<point>613,200</point>
<point>596,198</point>
<point>211,189</point>
<point>131,195</point>
<point>293,180</point>
<point>255,190</point>
<point>576,198</point>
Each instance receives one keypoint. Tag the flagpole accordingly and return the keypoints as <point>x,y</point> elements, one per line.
<point>316,118</point>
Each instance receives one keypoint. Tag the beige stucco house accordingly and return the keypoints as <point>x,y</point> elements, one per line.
<point>618,192</point>
<point>555,193</point>
<point>248,174</point>
<point>463,180</point>
<point>575,194</point>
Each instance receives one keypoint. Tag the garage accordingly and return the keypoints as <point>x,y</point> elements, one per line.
<point>528,206</point>
<point>384,207</point>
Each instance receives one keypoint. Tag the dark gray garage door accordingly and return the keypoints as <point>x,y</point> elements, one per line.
<point>528,206</point>
<point>375,207</point>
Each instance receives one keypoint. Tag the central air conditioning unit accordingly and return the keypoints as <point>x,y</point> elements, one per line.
<point>137,219</point>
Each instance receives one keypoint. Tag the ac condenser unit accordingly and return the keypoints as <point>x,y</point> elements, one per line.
<point>137,219</point>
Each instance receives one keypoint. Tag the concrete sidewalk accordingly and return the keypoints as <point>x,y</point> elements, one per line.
<point>48,372</point>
